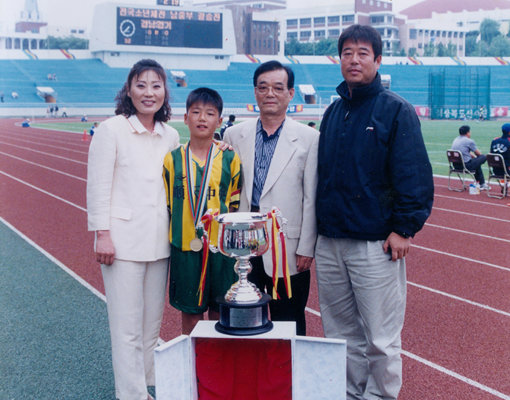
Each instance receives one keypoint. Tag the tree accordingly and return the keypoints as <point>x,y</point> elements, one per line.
<point>489,29</point>
<point>69,42</point>
<point>471,38</point>
<point>500,47</point>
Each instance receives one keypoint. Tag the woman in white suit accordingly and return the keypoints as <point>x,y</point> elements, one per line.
<point>128,213</point>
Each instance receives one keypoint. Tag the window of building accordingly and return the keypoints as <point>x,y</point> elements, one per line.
<point>305,22</point>
<point>443,34</point>
<point>413,34</point>
<point>377,19</point>
<point>455,34</point>
<point>8,43</point>
<point>333,33</point>
<point>334,20</point>
<point>17,43</point>
<point>33,44</point>
<point>449,34</point>
<point>420,45</point>
<point>380,30</point>
<point>320,34</point>
<point>319,21</point>
<point>292,23</point>
<point>347,19</point>
<point>461,34</point>
<point>291,36</point>
<point>305,35</point>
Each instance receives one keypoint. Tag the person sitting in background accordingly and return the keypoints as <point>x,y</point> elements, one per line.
<point>311,124</point>
<point>501,145</point>
<point>26,123</point>
<point>84,118</point>
<point>473,158</point>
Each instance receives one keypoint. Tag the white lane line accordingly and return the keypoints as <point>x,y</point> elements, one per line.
<point>43,166</point>
<point>461,257</point>
<point>441,369</point>
<point>39,142</point>
<point>451,296</point>
<point>54,260</point>
<point>467,232</point>
<point>456,375</point>
<point>471,214</point>
<point>46,154</point>
<point>43,191</point>
<point>486,203</point>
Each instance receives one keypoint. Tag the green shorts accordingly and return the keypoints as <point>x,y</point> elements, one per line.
<point>185,271</point>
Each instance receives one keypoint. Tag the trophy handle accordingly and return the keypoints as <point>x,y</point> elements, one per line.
<point>281,221</point>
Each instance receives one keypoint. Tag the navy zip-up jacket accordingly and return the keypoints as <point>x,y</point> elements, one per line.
<point>374,172</point>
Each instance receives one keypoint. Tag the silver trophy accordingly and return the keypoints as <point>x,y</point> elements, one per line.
<point>244,309</point>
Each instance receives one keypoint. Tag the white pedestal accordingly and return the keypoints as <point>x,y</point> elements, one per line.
<point>318,364</point>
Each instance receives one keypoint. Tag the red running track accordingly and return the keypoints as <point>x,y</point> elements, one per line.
<point>456,337</point>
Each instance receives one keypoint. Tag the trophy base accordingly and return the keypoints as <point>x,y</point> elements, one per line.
<point>244,319</point>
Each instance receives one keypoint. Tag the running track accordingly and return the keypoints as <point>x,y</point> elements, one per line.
<point>456,338</point>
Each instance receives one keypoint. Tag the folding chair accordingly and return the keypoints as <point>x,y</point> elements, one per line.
<point>499,172</point>
<point>458,167</point>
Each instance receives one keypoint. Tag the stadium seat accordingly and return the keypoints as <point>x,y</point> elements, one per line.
<point>458,167</point>
<point>498,172</point>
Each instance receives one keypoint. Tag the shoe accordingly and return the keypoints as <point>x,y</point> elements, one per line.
<point>484,187</point>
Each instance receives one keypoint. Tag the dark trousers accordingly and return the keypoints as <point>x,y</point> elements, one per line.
<point>475,164</point>
<point>284,309</point>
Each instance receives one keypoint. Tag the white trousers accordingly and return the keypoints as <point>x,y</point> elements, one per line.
<point>135,296</point>
<point>362,295</point>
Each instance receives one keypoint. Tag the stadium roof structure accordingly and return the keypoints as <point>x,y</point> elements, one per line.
<point>425,8</point>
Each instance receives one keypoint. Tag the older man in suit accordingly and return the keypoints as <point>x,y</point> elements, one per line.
<point>279,158</point>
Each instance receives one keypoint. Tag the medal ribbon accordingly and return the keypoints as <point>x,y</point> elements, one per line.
<point>276,257</point>
<point>207,221</point>
<point>197,205</point>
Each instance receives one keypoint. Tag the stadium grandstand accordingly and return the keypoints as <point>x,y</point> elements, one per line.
<point>86,81</point>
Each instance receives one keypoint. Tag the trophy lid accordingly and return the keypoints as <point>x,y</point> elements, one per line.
<point>241,217</point>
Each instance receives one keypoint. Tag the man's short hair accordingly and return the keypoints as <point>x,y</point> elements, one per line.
<point>361,33</point>
<point>274,65</point>
<point>205,96</point>
<point>464,130</point>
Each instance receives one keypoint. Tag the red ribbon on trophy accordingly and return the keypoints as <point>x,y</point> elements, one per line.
<point>276,256</point>
<point>206,221</point>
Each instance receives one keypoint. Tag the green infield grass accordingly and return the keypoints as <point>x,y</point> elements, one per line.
<point>438,135</point>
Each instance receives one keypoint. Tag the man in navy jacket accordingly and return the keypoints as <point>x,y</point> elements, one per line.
<point>374,192</point>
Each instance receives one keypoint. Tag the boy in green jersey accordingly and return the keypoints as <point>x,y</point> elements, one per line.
<point>199,176</point>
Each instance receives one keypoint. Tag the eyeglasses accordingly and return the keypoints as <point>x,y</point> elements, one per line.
<point>277,90</point>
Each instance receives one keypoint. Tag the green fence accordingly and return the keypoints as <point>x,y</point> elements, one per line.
<point>460,93</point>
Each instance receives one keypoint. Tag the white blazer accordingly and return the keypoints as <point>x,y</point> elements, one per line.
<point>125,190</point>
<point>290,184</point>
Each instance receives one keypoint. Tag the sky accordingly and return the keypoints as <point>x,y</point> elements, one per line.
<point>78,13</point>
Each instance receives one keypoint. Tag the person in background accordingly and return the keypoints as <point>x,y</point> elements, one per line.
<point>128,214</point>
<point>374,193</point>
<point>93,128</point>
<point>311,124</point>
<point>215,181</point>
<point>501,145</point>
<point>473,158</point>
<point>279,157</point>
<point>26,123</point>
<point>228,124</point>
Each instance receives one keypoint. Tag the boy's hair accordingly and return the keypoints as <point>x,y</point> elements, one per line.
<point>125,106</point>
<point>361,33</point>
<point>273,66</point>
<point>464,130</point>
<point>206,96</point>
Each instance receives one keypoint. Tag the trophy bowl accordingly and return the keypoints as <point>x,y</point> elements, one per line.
<point>242,236</point>
<point>243,309</point>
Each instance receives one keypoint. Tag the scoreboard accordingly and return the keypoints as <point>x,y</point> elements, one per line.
<point>169,28</point>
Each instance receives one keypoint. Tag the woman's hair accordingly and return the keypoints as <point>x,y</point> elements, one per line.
<point>125,106</point>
